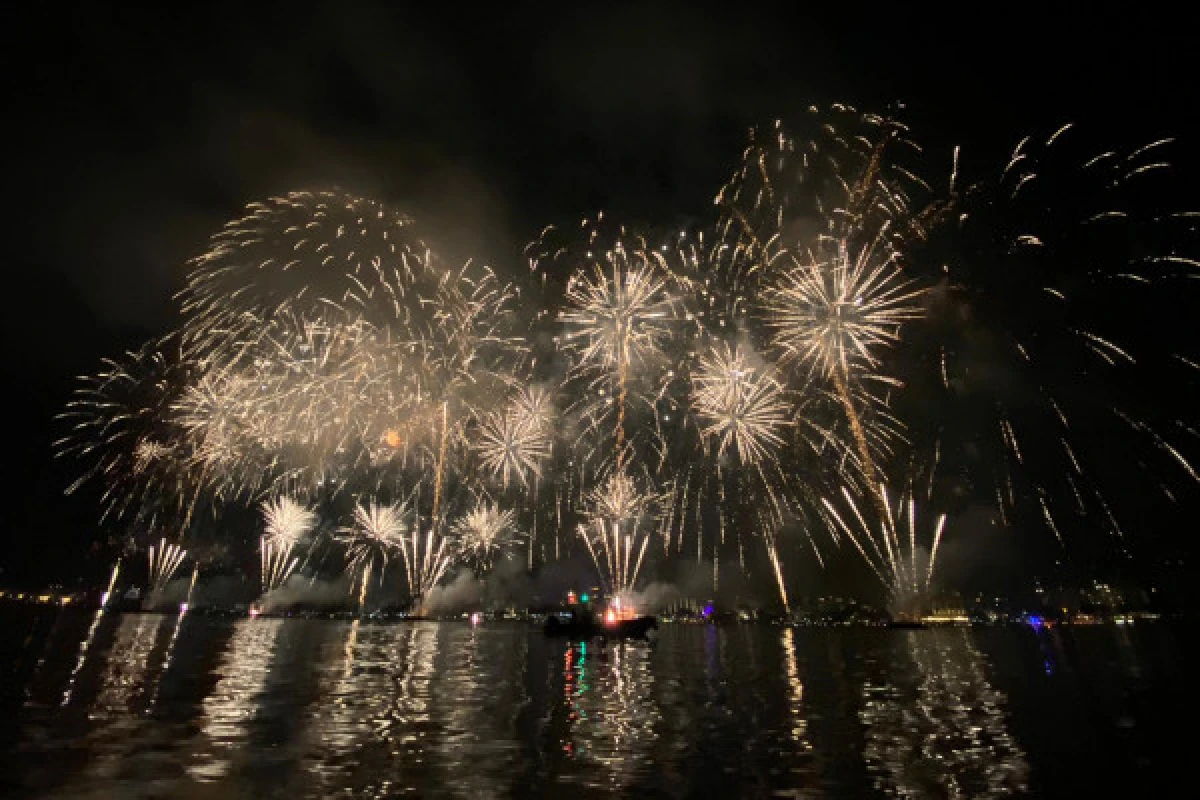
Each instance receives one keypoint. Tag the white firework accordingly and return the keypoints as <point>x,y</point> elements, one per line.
<point>619,319</point>
<point>482,534</point>
<point>890,547</point>
<point>835,314</point>
<point>739,405</point>
<point>286,522</point>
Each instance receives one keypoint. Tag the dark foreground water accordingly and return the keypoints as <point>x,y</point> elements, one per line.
<point>143,705</point>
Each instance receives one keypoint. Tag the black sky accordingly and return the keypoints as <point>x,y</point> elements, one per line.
<point>133,133</point>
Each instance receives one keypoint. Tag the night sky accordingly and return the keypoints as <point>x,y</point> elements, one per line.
<point>133,134</point>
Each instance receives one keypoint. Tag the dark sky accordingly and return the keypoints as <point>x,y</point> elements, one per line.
<point>134,133</point>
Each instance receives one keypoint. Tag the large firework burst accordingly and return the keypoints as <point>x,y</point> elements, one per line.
<point>833,316</point>
<point>121,430</point>
<point>513,444</point>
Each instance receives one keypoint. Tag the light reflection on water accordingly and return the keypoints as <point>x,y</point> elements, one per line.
<point>934,725</point>
<point>186,705</point>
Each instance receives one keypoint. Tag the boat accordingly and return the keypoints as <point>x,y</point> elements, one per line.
<point>579,623</point>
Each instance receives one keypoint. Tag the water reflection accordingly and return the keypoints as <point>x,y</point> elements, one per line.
<point>482,668</point>
<point>125,686</point>
<point>934,726</point>
<point>135,664</point>
<point>197,706</point>
<point>374,710</point>
<point>229,710</point>
<point>608,720</point>
<point>799,725</point>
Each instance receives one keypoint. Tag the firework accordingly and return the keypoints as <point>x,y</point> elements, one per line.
<point>120,430</point>
<point>164,561</point>
<point>328,334</point>
<point>426,559</point>
<point>618,321</point>
<point>513,444</point>
<point>481,534</point>
<point>739,405</point>
<point>618,531</point>
<point>326,349</point>
<point>377,533</point>
<point>835,315</point>
<point>903,561</point>
<point>286,522</point>
<point>1050,296</point>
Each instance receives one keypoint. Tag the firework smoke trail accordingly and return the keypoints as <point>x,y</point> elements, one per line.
<point>163,563</point>
<point>882,548</point>
<point>441,468</point>
<point>286,521</point>
<point>482,534</point>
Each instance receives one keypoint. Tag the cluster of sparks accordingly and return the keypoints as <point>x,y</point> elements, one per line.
<point>767,375</point>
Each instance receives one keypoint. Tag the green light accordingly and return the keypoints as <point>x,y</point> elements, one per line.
<point>583,598</point>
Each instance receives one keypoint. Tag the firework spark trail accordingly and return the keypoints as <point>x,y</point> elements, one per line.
<point>1051,262</point>
<point>773,553</point>
<point>112,581</point>
<point>286,522</point>
<point>425,565</point>
<point>881,547</point>
<point>164,561</point>
<point>187,602</point>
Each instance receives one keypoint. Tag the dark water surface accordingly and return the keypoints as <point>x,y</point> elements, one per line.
<point>145,705</point>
